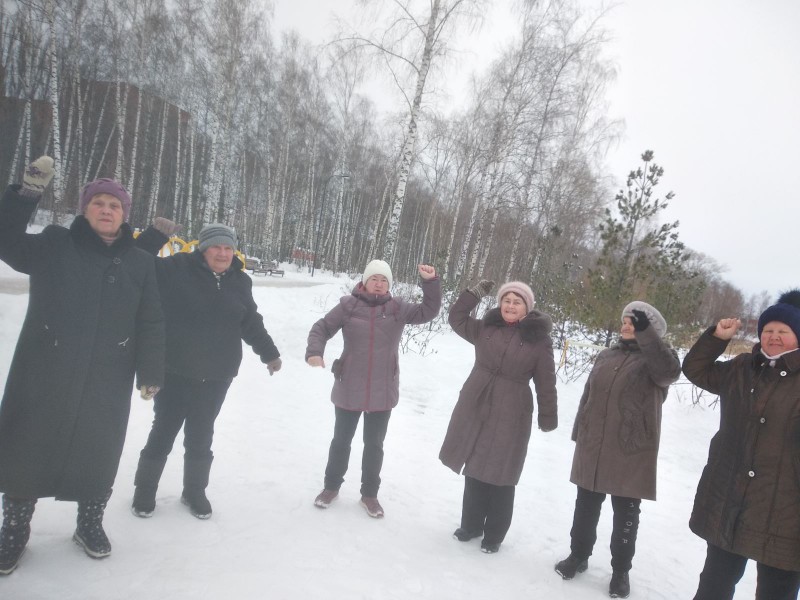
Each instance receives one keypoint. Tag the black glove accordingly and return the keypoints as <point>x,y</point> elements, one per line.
<point>483,288</point>
<point>640,320</point>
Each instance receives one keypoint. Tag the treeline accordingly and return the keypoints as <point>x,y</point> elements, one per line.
<point>204,116</point>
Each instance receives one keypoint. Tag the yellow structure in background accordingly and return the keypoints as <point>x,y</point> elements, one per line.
<point>169,248</point>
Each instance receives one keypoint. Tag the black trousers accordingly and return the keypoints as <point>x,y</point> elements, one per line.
<point>375,427</point>
<point>623,536</point>
<point>723,570</point>
<point>488,508</point>
<point>188,403</point>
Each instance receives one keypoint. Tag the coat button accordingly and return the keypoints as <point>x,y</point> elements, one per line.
<point>751,473</point>
<point>784,373</point>
<point>117,260</point>
<point>762,420</point>
<point>111,279</point>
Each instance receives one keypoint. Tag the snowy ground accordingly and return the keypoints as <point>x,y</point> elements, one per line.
<point>267,540</point>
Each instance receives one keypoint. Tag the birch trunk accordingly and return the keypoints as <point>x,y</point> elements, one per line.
<point>407,153</point>
<point>58,178</point>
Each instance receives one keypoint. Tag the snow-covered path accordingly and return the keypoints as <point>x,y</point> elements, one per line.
<point>267,540</point>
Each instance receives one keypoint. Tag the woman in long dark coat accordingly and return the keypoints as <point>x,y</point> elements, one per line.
<point>617,433</point>
<point>747,505</point>
<point>94,319</point>
<point>487,438</point>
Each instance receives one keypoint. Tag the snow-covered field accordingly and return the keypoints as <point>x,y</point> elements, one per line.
<point>267,540</point>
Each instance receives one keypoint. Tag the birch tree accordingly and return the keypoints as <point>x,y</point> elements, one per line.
<point>415,35</point>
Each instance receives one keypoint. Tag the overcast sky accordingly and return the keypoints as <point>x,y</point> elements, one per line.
<point>713,87</point>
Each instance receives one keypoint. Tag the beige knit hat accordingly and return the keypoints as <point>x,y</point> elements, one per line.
<point>520,289</point>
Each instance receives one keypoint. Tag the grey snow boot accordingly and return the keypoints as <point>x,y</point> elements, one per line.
<point>195,481</point>
<point>90,534</point>
<point>16,530</point>
<point>148,474</point>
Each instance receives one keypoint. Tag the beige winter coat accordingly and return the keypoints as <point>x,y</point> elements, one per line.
<point>618,425</point>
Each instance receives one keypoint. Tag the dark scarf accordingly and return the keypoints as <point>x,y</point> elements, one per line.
<point>87,238</point>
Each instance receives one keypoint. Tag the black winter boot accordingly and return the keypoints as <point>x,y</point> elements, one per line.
<point>90,534</point>
<point>195,481</point>
<point>620,586</point>
<point>17,513</point>
<point>148,474</point>
<point>571,565</point>
<point>464,535</point>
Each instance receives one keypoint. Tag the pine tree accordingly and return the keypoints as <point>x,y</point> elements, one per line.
<point>639,259</point>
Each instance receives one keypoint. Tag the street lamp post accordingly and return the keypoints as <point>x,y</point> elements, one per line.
<point>319,216</point>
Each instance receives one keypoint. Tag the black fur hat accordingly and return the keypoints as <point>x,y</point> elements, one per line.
<point>787,311</point>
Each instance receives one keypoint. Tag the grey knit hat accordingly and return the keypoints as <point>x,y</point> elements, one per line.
<point>216,234</point>
<point>656,320</point>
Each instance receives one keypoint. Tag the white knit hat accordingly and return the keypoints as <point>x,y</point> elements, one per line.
<point>522,290</point>
<point>655,318</point>
<point>377,267</point>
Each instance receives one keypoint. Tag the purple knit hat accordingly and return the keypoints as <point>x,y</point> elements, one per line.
<point>106,186</point>
<point>520,289</point>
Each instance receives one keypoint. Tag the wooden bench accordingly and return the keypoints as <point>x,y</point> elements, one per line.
<point>267,270</point>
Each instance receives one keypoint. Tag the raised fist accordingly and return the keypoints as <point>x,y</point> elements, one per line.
<point>37,176</point>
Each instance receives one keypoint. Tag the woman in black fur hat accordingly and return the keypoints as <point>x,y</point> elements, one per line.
<point>748,500</point>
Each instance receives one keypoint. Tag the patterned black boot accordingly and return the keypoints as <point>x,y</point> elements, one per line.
<point>90,534</point>
<point>17,513</point>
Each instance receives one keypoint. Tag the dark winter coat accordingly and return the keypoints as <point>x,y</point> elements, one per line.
<point>748,498</point>
<point>94,317</point>
<point>206,318</point>
<point>618,426</point>
<point>491,423</point>
<point>367,374</point>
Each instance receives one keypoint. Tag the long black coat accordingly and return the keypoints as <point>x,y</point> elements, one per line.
<point>206,319</point>
<point>94,318</point>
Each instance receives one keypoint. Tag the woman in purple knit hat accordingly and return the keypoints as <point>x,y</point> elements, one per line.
<point>94,322</point>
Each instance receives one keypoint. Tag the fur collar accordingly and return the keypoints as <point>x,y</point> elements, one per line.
<point>535,325</point>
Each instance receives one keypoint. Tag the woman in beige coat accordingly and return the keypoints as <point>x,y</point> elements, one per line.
<point>617,431</point>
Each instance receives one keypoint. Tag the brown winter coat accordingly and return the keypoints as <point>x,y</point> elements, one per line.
<point>748,498</point>
<point>618,426</point>
<point>490,426</point>
<point>368,371</point>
